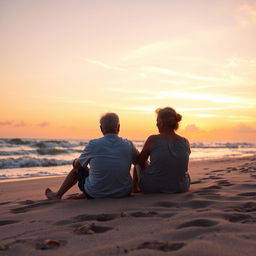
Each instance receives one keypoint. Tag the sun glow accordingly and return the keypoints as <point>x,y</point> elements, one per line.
<point>63,64</point>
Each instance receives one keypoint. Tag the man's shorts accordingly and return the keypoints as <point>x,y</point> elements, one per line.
<point>82,174</point>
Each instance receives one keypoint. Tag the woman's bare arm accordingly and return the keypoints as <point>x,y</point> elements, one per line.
<point>145,152</point>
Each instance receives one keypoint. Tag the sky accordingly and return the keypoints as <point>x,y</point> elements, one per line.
<point>65,63</point>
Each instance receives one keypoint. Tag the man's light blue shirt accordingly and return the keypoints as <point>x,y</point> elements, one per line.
<point>110,159</point>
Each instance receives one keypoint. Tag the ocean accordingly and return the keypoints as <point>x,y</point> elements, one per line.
<point>25,158</point>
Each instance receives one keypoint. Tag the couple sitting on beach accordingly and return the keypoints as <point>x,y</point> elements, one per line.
<point>110,159</point>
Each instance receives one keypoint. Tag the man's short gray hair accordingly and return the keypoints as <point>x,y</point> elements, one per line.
<point>109,123</point>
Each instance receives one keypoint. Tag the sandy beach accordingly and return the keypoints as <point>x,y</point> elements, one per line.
<point>216,217</point>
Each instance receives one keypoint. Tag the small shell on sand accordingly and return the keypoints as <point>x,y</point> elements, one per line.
<point>48,244</point>
<point>124,214</point>
<point>85,229</point>
<point>3,247</point>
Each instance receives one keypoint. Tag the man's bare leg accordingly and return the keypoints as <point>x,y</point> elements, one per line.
<point>68,183</point>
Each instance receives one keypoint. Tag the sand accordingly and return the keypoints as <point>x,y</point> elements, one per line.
<point>216,217</point>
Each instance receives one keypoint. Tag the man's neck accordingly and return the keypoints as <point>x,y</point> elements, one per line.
<point>111,134</point>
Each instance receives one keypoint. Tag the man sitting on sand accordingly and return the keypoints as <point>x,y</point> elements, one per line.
<point>110,159</point>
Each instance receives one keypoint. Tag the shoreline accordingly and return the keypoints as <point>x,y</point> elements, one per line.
<point>192,162</point>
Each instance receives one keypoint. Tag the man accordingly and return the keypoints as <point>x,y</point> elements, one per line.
<point>110,159</point>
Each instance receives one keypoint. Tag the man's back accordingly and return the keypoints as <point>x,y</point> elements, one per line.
<point>110,159</point>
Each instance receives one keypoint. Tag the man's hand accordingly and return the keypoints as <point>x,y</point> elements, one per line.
<point>76,164</point>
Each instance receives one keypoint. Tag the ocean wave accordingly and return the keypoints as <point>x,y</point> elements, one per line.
<point>41,143</point>
<point>51,151</point>
<point>22,162</point>
<point>17,153</point>
<point>30,175</point>
<point>222,145</point>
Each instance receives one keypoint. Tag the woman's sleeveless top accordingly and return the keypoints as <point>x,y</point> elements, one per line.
<point>168,169</point>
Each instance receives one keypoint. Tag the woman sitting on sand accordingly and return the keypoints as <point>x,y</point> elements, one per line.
<point>169,153</point>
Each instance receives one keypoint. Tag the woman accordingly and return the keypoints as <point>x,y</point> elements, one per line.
<point>169,153</point>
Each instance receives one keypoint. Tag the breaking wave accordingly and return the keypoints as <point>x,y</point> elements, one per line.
<point>9,163</point>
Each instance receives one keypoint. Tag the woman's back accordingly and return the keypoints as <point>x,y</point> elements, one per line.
<point>168,165</point>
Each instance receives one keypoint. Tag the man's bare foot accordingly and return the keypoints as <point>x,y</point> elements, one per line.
<point>51,195</point>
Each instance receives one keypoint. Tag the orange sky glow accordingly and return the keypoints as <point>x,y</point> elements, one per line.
<point>64,63</point>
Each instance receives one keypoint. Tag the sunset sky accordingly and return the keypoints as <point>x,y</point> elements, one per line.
<point>64,63</point>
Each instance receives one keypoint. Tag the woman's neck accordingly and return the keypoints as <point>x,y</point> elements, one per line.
<point>167,132</point>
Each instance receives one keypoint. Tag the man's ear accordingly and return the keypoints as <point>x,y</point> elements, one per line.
<point>101,129</point>
<point>118,128</point>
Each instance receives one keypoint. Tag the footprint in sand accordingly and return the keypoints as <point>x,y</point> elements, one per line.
<point>241,218</point>
<point>98,217</point>
<point>161,246</point>
<point>103,217</point>
<point>215,178</point>
<point>32,206</point>
<point>143,214</point>
<point>196,204</point>
<point>3,203</point>
<point>217,171</point>
<point>167,204</point>
<point>247,194</point>
<point>7,222</point>
<point>26,202</point>
<point>224,183</point>
<point>198,223</point>
<point>87,217</point>
<point>247,207</point>
<point>196,182</point>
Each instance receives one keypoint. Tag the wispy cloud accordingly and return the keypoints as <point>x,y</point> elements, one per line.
<point>161,95</point>
<point>43,124</point>
<point>191,128</point>
<point>171,72</point>
<point>247,14</point>
<point>213,108</point>
<point>21,124</point>
<point>243,128</point>
<point>4,123</point>
<point>101,64</point>
<point>153,48</point>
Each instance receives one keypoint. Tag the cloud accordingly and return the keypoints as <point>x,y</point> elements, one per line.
<point>213,108</point>
<point>171,72</point>
<point>43,124</point>
<point>101,64</point>
<point>148,49</point>
<point>20,124</point>
<point>161,95</point>
<point>243,128</point>
<point>4,123</point>
<point>247,14</point>
<point>192,128</point>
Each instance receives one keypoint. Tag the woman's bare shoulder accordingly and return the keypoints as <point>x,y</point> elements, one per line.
<point>151,140</point>
<point>178,137</point>
<point>153,137</point>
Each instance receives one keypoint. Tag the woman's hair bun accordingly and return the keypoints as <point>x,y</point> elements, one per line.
<point>169,116</point>
<point>178,117</point>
